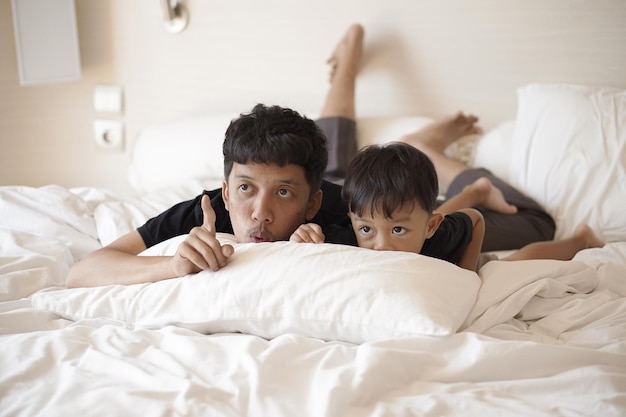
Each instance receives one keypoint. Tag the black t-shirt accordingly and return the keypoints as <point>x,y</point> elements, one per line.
<point>181,218</point>
<point>448,242</point>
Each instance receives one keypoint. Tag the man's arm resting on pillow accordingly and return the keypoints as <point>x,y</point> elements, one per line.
<point>118,263</point>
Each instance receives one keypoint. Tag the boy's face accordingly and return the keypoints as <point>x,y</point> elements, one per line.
<point>267,203</point>
<point>406,230</point>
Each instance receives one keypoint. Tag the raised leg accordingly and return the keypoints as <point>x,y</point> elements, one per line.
<point>338,116</point>
<point>344,62</point>
<point>479,193</point>
<point>437,136</point>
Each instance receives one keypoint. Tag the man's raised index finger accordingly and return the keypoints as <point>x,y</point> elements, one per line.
<point>208,213</point>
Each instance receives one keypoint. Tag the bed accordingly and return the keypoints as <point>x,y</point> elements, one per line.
<point>325,330</point>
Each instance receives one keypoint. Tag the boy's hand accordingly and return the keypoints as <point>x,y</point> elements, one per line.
<point>201,250</point>
<point>308,233</point>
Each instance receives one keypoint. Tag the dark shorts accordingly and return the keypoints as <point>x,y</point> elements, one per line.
<point>502,231</point>
<point>530,224</point>
<point>341,135</point>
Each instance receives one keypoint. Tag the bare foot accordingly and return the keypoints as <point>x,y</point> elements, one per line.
<point>587,237</point>
<point>347,53</point>
<point>440,134</point>
<point>489,196</point>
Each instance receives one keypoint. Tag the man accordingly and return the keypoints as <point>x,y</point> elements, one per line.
<point>264,197</point>
<point>274,162</point>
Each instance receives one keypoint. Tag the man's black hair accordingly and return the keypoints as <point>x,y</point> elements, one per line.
<point>277,136</point>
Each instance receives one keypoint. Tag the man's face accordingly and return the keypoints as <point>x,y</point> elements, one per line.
<point>267,203</point>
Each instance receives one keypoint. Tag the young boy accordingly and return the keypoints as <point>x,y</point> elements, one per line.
<point>391,192</point>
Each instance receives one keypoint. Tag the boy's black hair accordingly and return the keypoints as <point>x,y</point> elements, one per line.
<point>278,136</point>
<point>384,178</point>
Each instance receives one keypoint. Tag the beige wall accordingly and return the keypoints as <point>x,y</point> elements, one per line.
<point>426,57</point>
<point>46,130</point>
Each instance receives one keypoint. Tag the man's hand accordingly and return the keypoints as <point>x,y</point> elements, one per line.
<point>201,250</point>
<point>308,233</point>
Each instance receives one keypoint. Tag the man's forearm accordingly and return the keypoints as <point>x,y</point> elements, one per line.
<point>109,266</point>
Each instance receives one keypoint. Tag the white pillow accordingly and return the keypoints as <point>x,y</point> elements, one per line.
<point>175,153</point>
<point>494,150</point>
<point>326,291</point>
<point>570,155</point>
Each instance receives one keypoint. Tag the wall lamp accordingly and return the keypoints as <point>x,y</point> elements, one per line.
<point>175,16</point>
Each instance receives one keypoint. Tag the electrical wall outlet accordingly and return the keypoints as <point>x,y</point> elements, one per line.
<point>109,134</point>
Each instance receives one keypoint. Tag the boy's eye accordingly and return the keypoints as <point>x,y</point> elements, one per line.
<point>366,230</point>
<point>399,230</point>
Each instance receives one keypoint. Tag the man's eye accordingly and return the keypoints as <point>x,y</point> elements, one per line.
<point>283,192</point>
<point>244,187</point>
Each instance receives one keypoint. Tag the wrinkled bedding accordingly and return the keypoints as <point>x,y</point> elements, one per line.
<point>540,338</point>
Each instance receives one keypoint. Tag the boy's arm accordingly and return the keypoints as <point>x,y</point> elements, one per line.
<point>471,254</point>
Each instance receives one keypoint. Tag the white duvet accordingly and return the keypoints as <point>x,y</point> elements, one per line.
<point>540,338</point>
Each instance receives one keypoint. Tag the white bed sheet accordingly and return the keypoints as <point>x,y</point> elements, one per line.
<point>544,338</point>
<point>105,369</point>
